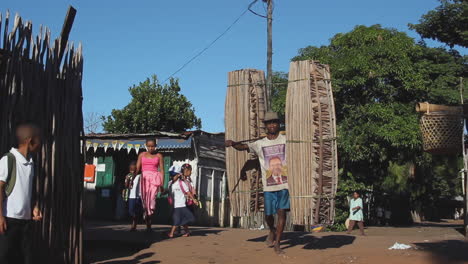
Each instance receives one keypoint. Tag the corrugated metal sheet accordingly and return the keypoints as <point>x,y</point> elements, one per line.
<point>172,143</point>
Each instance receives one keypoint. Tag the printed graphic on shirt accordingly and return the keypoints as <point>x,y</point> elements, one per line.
<point>275,161</point>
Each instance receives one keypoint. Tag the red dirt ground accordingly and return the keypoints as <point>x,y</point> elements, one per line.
<point>112,243</point>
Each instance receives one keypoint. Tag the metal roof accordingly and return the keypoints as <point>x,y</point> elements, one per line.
<point>173,143</point>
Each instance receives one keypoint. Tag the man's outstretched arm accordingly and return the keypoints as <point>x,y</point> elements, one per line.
<point>236,145</point>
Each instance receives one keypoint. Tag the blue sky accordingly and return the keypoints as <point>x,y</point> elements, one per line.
<point>127,41</point>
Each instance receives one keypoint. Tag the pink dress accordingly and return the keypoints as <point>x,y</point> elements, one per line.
<point>151,180</point>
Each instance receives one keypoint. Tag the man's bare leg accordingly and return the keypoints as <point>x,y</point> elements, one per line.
<point>279,231</point>
<point>270,219</point>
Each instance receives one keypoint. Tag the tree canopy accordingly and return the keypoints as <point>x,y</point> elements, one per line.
<point>154,107</point>
<point>448,23</point>
<point>378,74</point>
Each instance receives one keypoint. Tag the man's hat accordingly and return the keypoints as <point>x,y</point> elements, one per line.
<point>271,116</point>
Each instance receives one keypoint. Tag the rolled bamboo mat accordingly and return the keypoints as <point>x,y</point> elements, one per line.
<point>311,143</point>
<point>244,114</point>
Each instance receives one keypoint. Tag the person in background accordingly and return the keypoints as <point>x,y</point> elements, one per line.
<point>181,215</point>
<point>151,165</point>
<point>388,215</point>
<point>135,207</point>
<point>380,215</point>
<point>16,195</point>
<point>355,213</point>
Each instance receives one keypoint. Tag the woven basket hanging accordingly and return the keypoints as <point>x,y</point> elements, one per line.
<point>442,132</point>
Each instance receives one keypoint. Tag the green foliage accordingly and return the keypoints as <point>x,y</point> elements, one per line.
<point>278,93</point>
<point>448,23</point>
<point>378,75</point>
<point>154,107</point>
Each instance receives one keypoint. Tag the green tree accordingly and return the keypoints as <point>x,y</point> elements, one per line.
<point>378,74</point>
<point>448,23</point>
<point>154,107</point>
<point>278,93</point>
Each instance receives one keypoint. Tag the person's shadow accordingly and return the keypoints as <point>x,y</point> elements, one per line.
<point>308,241</point>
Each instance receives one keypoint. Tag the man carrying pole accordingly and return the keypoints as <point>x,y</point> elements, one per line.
<point>271,152</point>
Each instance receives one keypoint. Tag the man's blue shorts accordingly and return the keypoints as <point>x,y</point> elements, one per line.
<point>275,201</point>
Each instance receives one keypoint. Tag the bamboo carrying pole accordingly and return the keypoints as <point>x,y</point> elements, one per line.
<point>37,85</point>
<point>244,114</point>
<point>311,143</point>
<point>427,107</point>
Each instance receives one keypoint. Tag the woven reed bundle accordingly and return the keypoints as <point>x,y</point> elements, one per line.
<point>244,114</point>
<point>442,129</point>
<point>311,148</point>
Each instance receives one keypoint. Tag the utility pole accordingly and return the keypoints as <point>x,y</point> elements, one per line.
<point>269,85</point>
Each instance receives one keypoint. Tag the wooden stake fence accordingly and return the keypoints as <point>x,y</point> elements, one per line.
<point>37,86</point>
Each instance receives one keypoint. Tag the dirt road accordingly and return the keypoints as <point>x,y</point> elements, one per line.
<point>111,243</point>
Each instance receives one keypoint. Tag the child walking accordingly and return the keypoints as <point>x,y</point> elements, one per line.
<point>16,191</point>
<point>180,194</point>
<point>135,207</point>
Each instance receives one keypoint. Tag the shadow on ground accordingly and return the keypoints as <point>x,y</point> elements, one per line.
<point>308,241</point>
<point>448,251</point>
<point>105,244</point>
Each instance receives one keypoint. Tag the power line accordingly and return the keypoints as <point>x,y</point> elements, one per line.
<point>253,12</point>
<point>212,43</point>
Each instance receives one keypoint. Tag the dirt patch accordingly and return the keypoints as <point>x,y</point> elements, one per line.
<point>437,244</point>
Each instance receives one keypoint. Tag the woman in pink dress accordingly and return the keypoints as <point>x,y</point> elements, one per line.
<point>151,165</point>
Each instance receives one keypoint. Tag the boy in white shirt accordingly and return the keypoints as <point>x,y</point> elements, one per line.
<point>135,207</point>
<point>16,190</point>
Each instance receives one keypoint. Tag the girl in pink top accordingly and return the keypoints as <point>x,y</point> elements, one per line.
<point>151,165</point>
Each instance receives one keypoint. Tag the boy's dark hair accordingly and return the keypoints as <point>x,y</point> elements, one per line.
<point>358,192</point>
<point>25,131</point>
<point>132,163</point>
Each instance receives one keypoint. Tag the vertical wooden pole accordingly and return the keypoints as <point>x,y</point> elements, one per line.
<point>66,28</point>
<point>223,201</point>
<point>269,55</point>
<point>212,196</point>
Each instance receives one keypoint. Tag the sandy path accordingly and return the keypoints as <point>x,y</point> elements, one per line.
<point>114,244</point>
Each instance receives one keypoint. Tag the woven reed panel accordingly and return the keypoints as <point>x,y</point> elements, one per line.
<point>244,114</point>
<point>311,143</point>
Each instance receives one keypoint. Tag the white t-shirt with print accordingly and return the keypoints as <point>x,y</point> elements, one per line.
<point>178,195</point>
<point>272,156</point>
<point>18,204</point>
